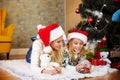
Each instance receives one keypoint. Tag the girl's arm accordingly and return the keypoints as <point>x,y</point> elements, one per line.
<point>35,60</point>
<point>37,49</point>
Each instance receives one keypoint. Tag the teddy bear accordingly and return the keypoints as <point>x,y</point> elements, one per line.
<point>104,57</point>
<point>46,62</point>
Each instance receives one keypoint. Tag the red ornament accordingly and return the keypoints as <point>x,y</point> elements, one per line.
<point>104,39</point>
<point>77,10</point>
<point>85,66</point>
<point>90,20</point>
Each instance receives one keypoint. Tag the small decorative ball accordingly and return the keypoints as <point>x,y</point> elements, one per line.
<point>85,66</point>
<point>90,20</point>
<point>104,5</point>
<point>104,39</point>
<point>77,10</point>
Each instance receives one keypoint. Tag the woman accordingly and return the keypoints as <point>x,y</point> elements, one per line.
<point>50,41</point>
<point>75,51</point>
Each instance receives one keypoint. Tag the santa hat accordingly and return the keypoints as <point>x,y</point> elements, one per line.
<point>79,34</point>
<point>49,34</point>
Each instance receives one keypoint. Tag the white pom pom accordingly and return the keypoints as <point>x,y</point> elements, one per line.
<point>47,49</point>
<point>40,26</point>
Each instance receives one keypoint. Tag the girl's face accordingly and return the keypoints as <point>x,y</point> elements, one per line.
<point>77,45</point>
<point>57,44</point>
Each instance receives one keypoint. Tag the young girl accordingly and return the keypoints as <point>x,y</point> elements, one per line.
<point>75,51</point>
<point>50,41</point>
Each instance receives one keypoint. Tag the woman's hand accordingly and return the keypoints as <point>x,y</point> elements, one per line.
<point>58,69</point>
<point>79,67</point>
<point>52,72</point>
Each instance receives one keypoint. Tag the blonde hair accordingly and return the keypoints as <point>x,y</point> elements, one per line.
<point>81,54</point>
<point>57,56</point>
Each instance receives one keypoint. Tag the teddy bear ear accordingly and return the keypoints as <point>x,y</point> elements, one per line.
<point>107,52</point>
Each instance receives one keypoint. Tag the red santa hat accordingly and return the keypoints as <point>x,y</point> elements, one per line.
<point>49,34</point>
<point>79,34</point>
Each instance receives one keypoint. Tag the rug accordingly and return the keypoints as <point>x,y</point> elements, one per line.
<point>21,69</point>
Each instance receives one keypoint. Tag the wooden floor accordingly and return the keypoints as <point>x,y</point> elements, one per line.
<point>6,76</point>
<point>3,56</point>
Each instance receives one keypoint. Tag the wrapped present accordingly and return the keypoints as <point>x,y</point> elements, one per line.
<point>115,65</point>
<point>98,62</point>
<point>90,56</point>
<point>97,54</point>
<point>101,45</point>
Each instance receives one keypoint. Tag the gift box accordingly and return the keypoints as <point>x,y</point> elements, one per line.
<point>115,65</point>
<point>97,54</point>
<point>101,62</point>
<point>101,45</point>
<point>98,62</point>
<point>89,59</point>
<point>90,56</point>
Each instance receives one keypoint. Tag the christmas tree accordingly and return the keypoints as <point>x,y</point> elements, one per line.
<point>97,19</point>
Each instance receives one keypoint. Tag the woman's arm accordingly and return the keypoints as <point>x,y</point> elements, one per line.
<point>35,60</point>
<point>37,49</point>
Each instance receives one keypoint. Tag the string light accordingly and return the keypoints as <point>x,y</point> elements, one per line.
<point>96,29</point>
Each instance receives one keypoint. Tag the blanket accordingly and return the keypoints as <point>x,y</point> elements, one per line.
<point>20,68</point>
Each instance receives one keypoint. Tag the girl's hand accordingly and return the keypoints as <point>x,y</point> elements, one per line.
<point>78,67</point>
<point>58,69</point>
<point>52,72</point>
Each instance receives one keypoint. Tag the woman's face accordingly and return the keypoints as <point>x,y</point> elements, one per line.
<point>57,44</point>
<point>77,45</point>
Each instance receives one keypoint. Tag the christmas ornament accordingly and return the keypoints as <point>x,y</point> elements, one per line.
<point>77,10</point>
<point>85,66</point>
<point>104,39</point>
<point>90,19</point>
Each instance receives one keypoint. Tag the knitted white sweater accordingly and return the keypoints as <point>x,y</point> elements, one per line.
<point>37,50</point>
